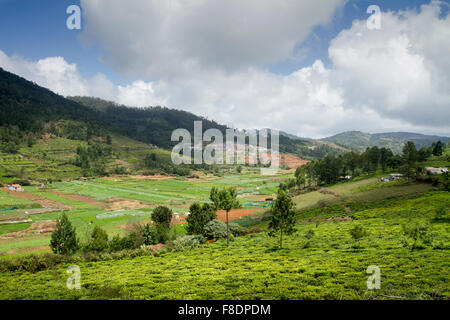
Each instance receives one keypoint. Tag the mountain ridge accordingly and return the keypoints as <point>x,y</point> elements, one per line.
<point>359,140</point>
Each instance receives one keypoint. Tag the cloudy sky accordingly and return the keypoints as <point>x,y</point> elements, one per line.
<point>311,68</point>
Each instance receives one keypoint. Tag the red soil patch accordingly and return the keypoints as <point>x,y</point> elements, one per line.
<point>287,160</point>
<point>292,162</point>
<point>46,203</point>
<point>234,214</point>
<point>80,198</point>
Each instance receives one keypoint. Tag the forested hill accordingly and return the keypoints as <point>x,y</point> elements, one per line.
<point>27,109</point>
<point>359,141</point>
<point>152,124</point>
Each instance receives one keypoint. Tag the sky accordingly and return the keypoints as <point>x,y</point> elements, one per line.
<point>310,68</point>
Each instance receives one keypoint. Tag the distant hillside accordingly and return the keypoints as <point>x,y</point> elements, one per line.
<point>359,141</point>
<point>151,125</point>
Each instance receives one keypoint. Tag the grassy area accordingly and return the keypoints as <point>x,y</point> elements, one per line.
<point>363,190</point>
<point>327,265</point>
<point>9,201</point>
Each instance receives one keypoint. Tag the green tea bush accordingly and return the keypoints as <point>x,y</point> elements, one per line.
<point>441,213</point>
<point>420,234</point>
<point>358,232</point>
<point>309,234</point>
<point>33,262</point>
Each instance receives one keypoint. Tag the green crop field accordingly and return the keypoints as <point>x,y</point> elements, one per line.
<point>176,193</point>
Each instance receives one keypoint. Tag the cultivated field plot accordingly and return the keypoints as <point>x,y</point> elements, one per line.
<point>114,203</point>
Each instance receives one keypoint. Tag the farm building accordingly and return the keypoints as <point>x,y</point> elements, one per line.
<point>15,187</point>
<point>434,171</point>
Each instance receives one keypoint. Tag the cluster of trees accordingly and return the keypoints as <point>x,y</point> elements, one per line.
<point>329,169</point>
<point>74,130</point>
<point>65,241</point>
<point>202,219</point>
<point>92,158</point>
<point>436,149</point>
<point>10,139</point>
<point>155,163</point>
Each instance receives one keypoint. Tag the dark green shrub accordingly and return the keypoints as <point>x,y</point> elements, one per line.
<point>358,232</point>
<point>162,215</point>
<point>115,244</point>
<point>309,234</point>
<point>98,241</point>
<point>215,229</point>
<point>199,216</point>
<point>441,213</point>
<point>160,233</point>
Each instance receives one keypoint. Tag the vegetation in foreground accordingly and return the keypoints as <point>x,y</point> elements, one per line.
<point>326,258</point>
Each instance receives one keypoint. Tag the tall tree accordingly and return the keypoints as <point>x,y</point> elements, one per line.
<point>438,148</point>
<point>282,218</point>
<point>373,155</point>
<point>409,157</point>
<point>385,154</point>
<point>225,199</point>
<point>64,238</point>
<point>300,176</point>
<point>351,160</point>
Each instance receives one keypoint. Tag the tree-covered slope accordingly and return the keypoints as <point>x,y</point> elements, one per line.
<point>359,141</point>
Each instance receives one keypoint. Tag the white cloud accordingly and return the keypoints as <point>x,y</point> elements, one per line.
<point>166,39</point>
<point>400,71</point>
<point>393,79</point>
<point>59,76</point>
